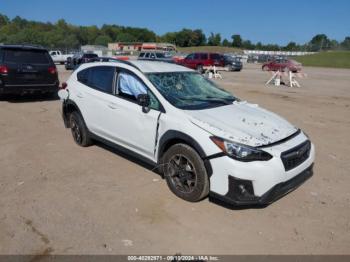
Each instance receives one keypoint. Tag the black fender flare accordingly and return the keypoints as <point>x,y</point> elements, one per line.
<point>65,110</point>
<point>173,135</point>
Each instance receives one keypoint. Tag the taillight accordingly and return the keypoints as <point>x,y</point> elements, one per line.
<point>64,85</point>
<point>3,69</point>
<point>52,70</point>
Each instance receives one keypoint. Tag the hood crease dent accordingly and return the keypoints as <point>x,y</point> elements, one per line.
<point>243,123</point>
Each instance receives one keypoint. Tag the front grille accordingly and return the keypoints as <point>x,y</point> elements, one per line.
<point>296,156</point>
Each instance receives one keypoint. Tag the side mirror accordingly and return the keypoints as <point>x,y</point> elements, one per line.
<point>144,101</point>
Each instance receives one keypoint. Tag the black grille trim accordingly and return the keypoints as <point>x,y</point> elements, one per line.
<point>296,156</point>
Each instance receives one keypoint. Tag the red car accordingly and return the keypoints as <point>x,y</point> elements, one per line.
<point>282,65</point>
<point>198,60</point>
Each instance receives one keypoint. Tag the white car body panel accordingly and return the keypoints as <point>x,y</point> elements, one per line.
<point>243,123</point>
<point>123,122</point>
<point>263,175</point>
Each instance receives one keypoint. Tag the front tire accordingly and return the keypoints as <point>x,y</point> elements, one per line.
<point>79,130</point>
<point>185,173</point>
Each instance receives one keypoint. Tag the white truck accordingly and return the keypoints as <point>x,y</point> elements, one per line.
<point>58,57</point>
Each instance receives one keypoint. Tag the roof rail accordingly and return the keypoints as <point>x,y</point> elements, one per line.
<point>24,45</point>
<point>127,63</point>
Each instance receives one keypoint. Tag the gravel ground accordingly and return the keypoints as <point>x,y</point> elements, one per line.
<point>58,198</point>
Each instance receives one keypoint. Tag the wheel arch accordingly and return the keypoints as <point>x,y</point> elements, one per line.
<point>173,137</point>
<point>68,107</point>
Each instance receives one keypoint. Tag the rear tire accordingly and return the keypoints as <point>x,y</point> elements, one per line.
<point>185,173</point>
<point>79,130</point>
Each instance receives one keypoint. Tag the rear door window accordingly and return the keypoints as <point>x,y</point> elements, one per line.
<point>190,57</point>
<point>26,56</point>
<point>204,56</point>
<point>101,78</point>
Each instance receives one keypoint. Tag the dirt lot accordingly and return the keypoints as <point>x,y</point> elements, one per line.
<point>58,198</point>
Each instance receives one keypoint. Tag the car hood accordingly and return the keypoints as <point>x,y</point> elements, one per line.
<point>243,123</point>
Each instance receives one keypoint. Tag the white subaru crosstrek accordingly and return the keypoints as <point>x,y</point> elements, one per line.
<point>202,138</point>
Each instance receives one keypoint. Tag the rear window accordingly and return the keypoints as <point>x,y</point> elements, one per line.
<point>90,55</point>
<point>26,56</point>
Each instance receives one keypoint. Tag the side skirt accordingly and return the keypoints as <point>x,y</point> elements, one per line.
<point>124,150</point>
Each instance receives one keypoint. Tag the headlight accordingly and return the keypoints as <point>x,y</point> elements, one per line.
<point>240,152</point>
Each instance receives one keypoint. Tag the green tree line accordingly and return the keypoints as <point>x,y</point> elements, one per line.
<point>63,35</point>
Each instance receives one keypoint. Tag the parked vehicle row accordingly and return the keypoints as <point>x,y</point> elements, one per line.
<point>27,69</point>
<point>203,139</point>
<point>198,61</point>
<point>195,61</point>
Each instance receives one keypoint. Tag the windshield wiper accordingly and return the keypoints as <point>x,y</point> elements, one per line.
<point>210,100</point>
<point>229,100</point>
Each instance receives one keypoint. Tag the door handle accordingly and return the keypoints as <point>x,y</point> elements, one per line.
<point>112,106</point>
<point>80,95</point>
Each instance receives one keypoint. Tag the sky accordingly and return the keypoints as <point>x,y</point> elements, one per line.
<point>267,21</point>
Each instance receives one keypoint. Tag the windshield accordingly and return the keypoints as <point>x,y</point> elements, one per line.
<point>232,58</point>
<point>160,55</point>
<point>90,55</point>
<point>190,90</point>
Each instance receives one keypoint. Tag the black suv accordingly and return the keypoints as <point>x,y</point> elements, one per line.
<point>26,69</point>
<point>232,63</point>
<point>80,58</point>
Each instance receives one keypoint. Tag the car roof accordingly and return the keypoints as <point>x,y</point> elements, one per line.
<point>22,47</point>
<point>143,66</point>
<point>210,53</point>
<point>158,67</point>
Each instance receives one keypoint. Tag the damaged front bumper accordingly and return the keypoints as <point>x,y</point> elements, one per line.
<point>241,192</point>
<point>263,182</point>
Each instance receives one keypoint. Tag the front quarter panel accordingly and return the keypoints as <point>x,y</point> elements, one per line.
<point>178,123</point>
